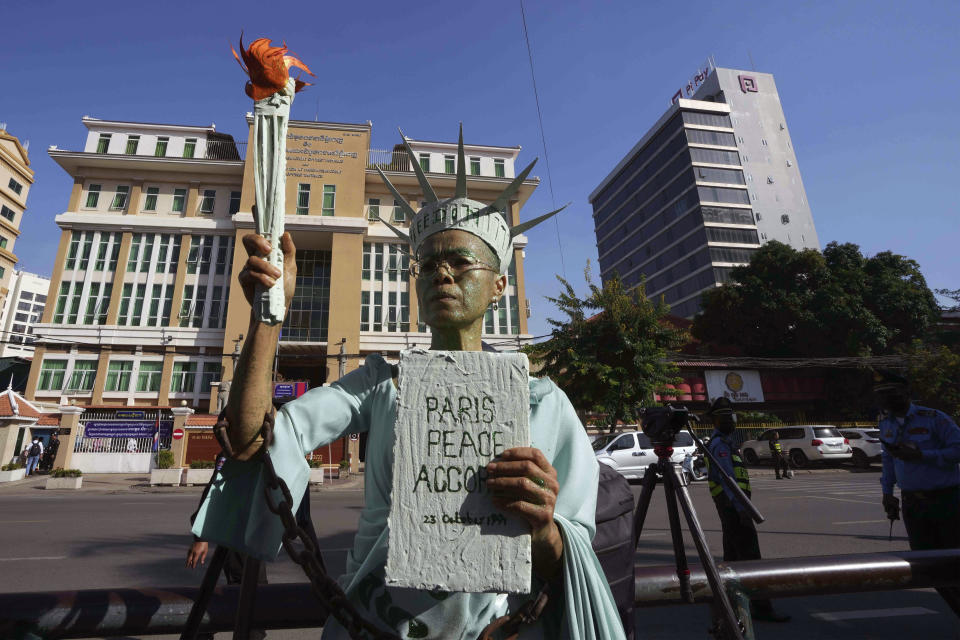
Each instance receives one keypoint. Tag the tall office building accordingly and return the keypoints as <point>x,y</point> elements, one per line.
<point>711,181</point>
<point>22,309</point>
<point>16,178</point>
<point>144,309</point>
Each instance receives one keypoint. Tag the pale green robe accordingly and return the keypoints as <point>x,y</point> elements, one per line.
<point>235,513</point>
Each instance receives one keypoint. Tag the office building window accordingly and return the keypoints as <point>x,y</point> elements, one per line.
<point>698,136</point>
<point>729,216</point>
<point>118,375</point>
<point>714,156</point>
<point>87,246</point>
<point>148,378</point>
<point>168,253</point>
<point>3,243</point>
<point>161,149</point>
<point>183,378</point>
<point>103,143</point>
<point>398,215</point>
<point>499,169</point>
<point>449,164</point>
<point>107,249</point>
<point>52,373</point>
<point>307,319</point>
<point>373,208</point>
<point>213,319</point>
<point>425,161</point>
<point>474,166</point>
<point>234,202</point>
<point>15,186</point>
<point>84,373</point>
<point>719,194</point>
<point>93,196</point>
<point>303,199</point>
<point>210,374</point>
<point>329,199</point>
<point>150,204</point>
<point>729,176</point>
<point>208,200</point>
<point>708,119</point>
<point>7,212</point>
<point>785,219</point>
<point>738,236</point>
<point>189,147</point>
<point>179,200</point>
<point>200,253</point>
<point>132,143</point>
<point>120,198</point>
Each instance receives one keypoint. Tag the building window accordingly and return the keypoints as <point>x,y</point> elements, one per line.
<point>183,378</point>
<point>126,294</point>
<point>499,168</point>
<point>84,373</point>
<point>784,219</point>
<point>307,319</point>
<point>3,243</point>
<point>103,143</point>
<point>93,196</point>
<point>303,199</point>
<point>329,199</point>
<point>198,259</point>
<point>7,212</point>
<point>52,373</point>
<point>210,374</point>
<point>234,202</point>
<point>398,211</point>
<point>449,164</point>
<point>213,321</point>
<point>425,161</point>
<point>179,200</point>
<point>132,143</point>
<point>118,375</point>
<point>161,149</point>
<point>474,166</point>
<point>104,249</point>
<point>373,208</point>
<point>207,202</point>
<point>120,198</point>
<point>148,379</point>
<point>15,186</point>
<point>189,147</point>
<point>150,204</point>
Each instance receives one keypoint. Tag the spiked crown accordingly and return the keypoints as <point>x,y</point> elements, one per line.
<point>487,222</point>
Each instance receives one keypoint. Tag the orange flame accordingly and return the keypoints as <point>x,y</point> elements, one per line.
<point>268,67</point>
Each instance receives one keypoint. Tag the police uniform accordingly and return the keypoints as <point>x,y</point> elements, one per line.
<point>930,486</point>
<point>780,461</point>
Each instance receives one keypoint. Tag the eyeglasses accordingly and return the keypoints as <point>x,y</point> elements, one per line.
<point>456,265</point>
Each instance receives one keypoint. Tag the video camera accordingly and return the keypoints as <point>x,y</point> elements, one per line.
<point>662,424</point>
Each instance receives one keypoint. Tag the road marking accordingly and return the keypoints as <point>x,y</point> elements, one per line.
<point>859,522</point>
<point>22,521</point>
<point>34,558</point>
<point>872,613</point>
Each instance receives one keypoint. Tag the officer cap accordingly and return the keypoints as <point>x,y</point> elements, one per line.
<point>720,407</point>
<point>884,379</point>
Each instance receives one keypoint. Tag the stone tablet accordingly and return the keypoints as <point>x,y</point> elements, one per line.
<point>456,411</point>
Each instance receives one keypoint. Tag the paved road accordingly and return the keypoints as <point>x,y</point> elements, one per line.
<point>60,540</point>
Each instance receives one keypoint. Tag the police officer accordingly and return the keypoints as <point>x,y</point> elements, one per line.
<point>779,460</point>
<point>739,534</point>
<point>921,453</point>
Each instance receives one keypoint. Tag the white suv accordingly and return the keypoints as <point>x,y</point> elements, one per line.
<point>803,443</point>
<point>631,453</point>
<point>866,445</point>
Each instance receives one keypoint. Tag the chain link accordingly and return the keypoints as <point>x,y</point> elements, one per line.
<point>325,588</point>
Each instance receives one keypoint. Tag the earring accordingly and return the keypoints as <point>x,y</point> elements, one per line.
<point>496,305</point>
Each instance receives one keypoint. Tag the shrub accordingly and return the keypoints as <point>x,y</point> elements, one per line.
<point>164,459</point>
<point>315,464</point>
<point>66,473</point>
<point>13,466</point>
<point>344,464</point>
<point>202,464</point>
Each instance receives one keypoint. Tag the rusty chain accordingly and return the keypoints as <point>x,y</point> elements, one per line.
<point>325,588</point>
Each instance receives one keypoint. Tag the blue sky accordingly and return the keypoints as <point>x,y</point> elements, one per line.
<point>869,90</point>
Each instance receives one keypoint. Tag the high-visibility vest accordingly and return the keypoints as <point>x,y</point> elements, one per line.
<point>776,447</point>
<point>739,474</point>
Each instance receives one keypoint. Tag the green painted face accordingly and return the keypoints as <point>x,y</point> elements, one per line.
<point>449,303</point>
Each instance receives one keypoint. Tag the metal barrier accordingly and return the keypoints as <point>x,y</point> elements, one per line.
<point>139,612</point>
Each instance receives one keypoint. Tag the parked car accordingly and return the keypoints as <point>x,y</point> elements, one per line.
<point>866,445</point>
<point>803,443</point>
<point>630,453</point>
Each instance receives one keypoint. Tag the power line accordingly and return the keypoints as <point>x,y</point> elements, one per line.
<point>543,137</point>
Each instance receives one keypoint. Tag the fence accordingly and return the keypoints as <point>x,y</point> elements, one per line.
<point>389,160</point>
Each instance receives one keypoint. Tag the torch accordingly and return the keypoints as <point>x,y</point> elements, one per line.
<point>272,90</point>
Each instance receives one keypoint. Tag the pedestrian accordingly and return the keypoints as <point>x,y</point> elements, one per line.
<point>779,460</point>
<point>459,269</point>
<point>921,454</point>
<point>33,456</point>
<point>50,452</point>
<point>740,541</point>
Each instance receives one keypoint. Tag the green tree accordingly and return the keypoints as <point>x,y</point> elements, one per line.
<point>806,303</point>
<point>609,354</point>
<point>934,374</point>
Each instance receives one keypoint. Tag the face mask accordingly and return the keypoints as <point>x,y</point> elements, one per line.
<point>897,403</point>
<point>725,425</point>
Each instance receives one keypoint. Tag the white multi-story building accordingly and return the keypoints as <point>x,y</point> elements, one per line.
<point>22,308</point>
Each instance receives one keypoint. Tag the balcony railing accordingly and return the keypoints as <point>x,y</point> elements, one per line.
<point>215,150</point>
<point>389,160</point>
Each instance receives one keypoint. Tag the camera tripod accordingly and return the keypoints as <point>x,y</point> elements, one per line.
<point>726,624</point>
